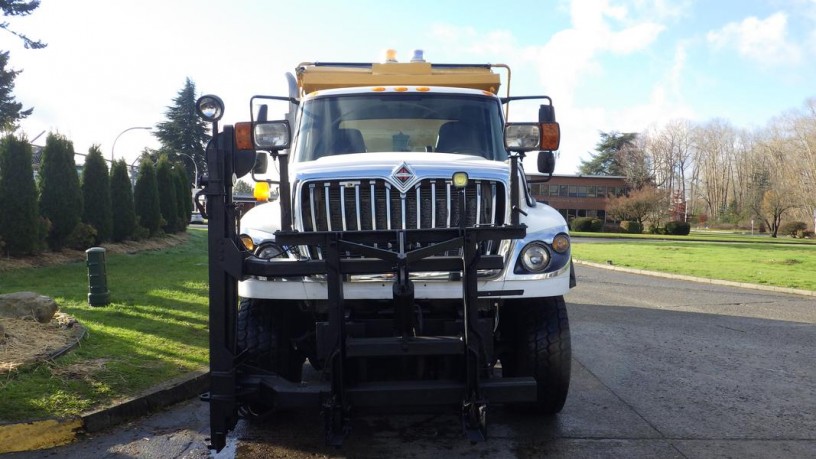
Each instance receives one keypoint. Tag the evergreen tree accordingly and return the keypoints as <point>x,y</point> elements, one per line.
<point>96,195</point>
<point>121,193</point>
<point>146,198</point>
<point>19,215</point>
<point>168,201</point>
<point>185,204</point>
<point>184,131</point>
<point>12,111</point>
<point>20,8</point>
<point>60,194</point>
<point>610,156</point>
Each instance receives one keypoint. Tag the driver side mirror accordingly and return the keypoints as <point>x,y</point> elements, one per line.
<point>546,162</point>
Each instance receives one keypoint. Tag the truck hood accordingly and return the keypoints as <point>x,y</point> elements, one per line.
<point>402,169</point>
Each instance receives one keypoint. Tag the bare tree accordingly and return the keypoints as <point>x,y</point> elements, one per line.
<point>647,204</point>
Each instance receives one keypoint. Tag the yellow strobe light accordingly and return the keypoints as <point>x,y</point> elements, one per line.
<point>460,179</point>
<point>261,191</point>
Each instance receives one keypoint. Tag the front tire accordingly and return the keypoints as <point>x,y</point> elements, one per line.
<point>537,332</point>
<point>265,331</point>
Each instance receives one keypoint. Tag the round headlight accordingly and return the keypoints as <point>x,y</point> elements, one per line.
<point>535,257</point>
<point>267,251</point>
<point>561,243</point>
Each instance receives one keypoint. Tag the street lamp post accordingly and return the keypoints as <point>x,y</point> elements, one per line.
<point>195,167</point>
<point>113,147</point>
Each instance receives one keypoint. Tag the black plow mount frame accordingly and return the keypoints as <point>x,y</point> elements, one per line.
<point>232,383</point>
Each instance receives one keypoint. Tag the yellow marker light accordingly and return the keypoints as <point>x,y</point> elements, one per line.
<point>423,89</point>
<point>550,136</point>
<point>400,89</point>
<point>378,89</point>
<point>561,243</point>
<point>460,179</point>
<point>246,241</point>
<point>261,191</point>
<point>243,136</point>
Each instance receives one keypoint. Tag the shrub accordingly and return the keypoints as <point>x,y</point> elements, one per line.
<point>19,212</point>
<point>804,234</point>
<point>678,228</point>
<point>184,196</point>
<point>60,195</point>
<point>82,237</point>
<point>96,195</point>
<point>124,215</point>
<point>597,225</point>
<point>139,233</point>
<point>581,224</point>
<point>168,201</point>
<point>612,228</point>
<point>790,228</point>
<point>631,227</point>
<point>146,197</point>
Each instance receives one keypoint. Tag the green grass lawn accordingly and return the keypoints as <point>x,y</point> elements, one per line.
<point>782,263</point>
<point>155,329</point>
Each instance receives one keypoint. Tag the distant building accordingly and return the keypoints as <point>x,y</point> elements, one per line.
<point>578,195</point>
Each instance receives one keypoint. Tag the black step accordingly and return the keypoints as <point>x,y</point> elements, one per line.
<point>441,392</point>
<point>398,346</point>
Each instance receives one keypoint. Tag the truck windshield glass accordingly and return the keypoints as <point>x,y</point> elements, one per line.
<point>393,123</point>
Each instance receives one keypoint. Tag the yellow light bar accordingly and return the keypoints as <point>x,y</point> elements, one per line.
<point>243,136</point>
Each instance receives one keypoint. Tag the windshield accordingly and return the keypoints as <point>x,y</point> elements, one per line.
<point>430,122</point>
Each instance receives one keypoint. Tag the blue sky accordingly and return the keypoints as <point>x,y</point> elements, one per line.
<point>609,65</point>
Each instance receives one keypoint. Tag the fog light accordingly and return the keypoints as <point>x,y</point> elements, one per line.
<point>267,251</point>
<point>247,242</point>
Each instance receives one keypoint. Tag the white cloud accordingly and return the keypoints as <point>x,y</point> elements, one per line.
<point>761,40</point>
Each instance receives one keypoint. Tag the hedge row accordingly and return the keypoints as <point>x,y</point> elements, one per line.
<point>59,210</point>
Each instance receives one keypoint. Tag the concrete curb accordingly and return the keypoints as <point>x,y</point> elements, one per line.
<point>703,280</point>
<point>48,433</point>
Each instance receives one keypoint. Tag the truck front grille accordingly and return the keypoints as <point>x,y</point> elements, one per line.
<point>353,205</point>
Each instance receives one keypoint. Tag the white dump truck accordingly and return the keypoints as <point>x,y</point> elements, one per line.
<point>404,257</point>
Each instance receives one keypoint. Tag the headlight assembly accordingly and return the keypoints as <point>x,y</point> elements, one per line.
<point>535,257</point>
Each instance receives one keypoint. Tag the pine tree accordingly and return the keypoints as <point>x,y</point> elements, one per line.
<point>146,198</point>
<point>11,111</point>
<point>96,195</point>
<point>60,194</point>
<point>121,193</point>
<point>168,201</point>
<point>19,214</point>
<point>185,204</point>
<point>184,131</point>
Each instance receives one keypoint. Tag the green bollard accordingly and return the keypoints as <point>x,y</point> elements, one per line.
<point>98,294</point>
